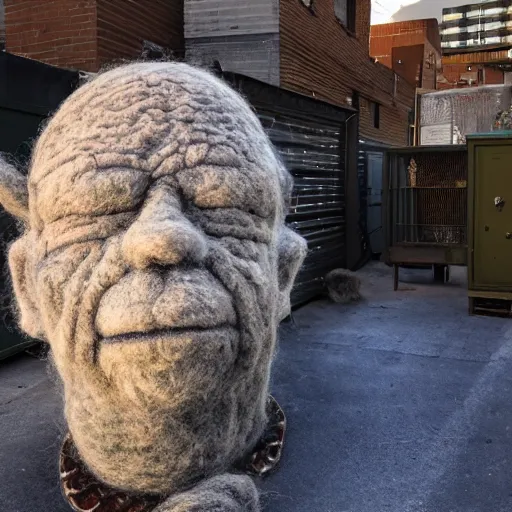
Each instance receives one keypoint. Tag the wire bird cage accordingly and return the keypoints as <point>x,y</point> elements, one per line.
<point>426,207</point>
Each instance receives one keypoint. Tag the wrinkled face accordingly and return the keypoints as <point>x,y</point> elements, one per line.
<point>157,266</point>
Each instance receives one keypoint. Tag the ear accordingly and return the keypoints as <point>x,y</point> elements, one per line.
<point>292,250</point>
<point>24,288</point>
<point>13,191</point>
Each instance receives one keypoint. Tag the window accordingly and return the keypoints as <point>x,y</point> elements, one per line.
<point>345,11</point>
<point>410,136</point>
<point>355,100</point>
<point>411,131</point>
<point>375,111</point>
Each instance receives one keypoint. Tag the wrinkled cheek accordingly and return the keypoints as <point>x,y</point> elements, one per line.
<point>52,281</point>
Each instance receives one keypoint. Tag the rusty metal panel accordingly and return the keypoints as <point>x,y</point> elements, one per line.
<point>426,204</point>
<point>217,18</point>
<point>487,57</point>
<point>408,63</point>
<point>123,26</point>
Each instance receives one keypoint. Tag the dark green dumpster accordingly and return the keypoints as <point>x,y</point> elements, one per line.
<point>29,92</point>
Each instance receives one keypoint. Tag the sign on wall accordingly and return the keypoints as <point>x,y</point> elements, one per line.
<point>436,135</point>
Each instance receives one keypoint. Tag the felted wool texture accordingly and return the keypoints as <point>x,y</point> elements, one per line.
<point>225,493</point>
<point>343,286</point>
<point>157,264</point>
<point>13,188</point>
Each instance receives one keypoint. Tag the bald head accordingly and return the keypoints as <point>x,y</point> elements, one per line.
<point>157,264</point>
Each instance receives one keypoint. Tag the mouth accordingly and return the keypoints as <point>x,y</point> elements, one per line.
<point>175,334</point>
<point>149,305</point>
<point>197,356</point>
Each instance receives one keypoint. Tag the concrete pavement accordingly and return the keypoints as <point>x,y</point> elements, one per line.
<point>400,403</point>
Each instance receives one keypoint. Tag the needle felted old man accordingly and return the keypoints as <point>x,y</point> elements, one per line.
<point>156,263</point>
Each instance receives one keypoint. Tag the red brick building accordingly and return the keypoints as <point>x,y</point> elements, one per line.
<point>319,48</point>
<point>85,34</point>
<point>316,47</point>
<point>412,49</point>
<point>471,69</point>
<point>327,56</point>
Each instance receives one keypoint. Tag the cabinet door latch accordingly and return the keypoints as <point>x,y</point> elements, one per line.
<point>499,202</point>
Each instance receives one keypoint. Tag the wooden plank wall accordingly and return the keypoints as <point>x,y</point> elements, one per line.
<point>242,35</point>
<point>123,26</point>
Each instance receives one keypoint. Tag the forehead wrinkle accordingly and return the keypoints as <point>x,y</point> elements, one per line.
<point>132,131</point>
<point>167,107</point>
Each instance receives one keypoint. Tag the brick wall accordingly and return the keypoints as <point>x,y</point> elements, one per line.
<point>394,38</point>
<point>493,76</point>
<point>385,37</point>
<point>394,124</point>
<point>320,58</point>
<point>430,70</point>
<point>122,27</point>
<point>62,33</point>
<point>405,33</point>
<point>363,20</point>
<point>85,34</point>
<point>2,24</point>
<point>457,75</point>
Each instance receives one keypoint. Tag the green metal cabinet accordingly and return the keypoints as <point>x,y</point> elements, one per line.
<point>490,220</point>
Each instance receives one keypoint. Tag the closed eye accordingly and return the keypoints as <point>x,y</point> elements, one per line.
<point>76,229</point>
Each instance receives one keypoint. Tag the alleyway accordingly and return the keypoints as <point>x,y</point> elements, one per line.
<point>401,403</point>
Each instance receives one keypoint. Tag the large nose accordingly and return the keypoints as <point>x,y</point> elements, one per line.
<point>162,235</point>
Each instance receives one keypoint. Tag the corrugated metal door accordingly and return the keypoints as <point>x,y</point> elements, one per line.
<point>310,136</point>
<point>314,154</point>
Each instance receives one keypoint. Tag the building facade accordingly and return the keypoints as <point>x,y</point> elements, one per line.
<point>243,36</point>
<point>319,48</point>
<point>87,34</point>
<point>468,70</point>
<point>412,49</point>
<point>477,42</point>
<point>476,68</point>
